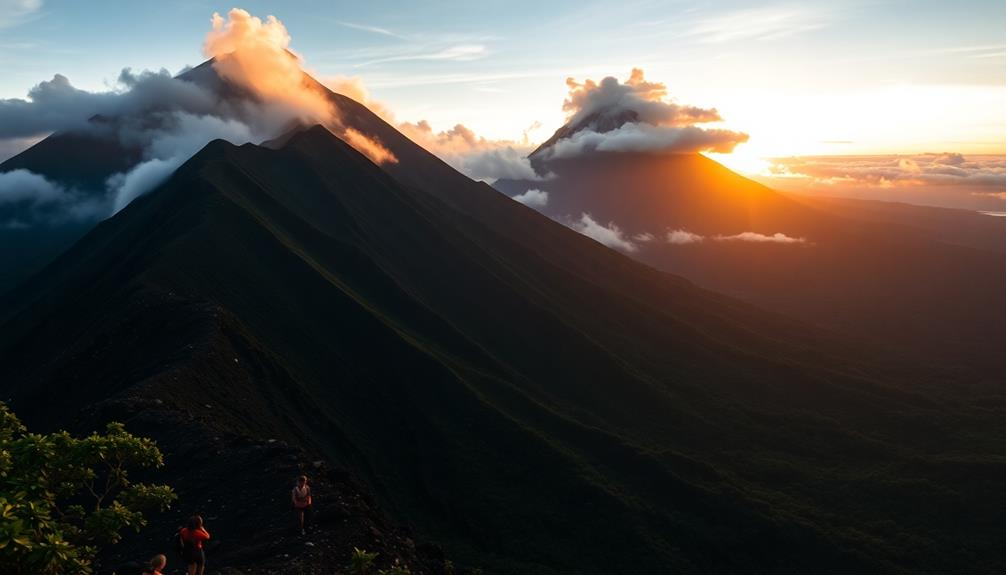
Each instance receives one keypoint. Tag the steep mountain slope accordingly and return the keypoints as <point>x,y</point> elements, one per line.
<point>911,286</point>
<point>530,398</point>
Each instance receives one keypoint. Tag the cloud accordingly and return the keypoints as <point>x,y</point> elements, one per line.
<point>167,119</point>
<point>456,53</point>
<point>369,147</point>
<point>766,23</point>
<point>371,29</point>
<point>16,12</point>
<point>681,237</point>
<point>256,55</point>
<point>610,235</point>
<point>634,116</point>
<point>475,156</point>
<point>684,237</point>
<point>777,238</point>
<point>646,138</point>
<point>128,186</point>
<point>533,198</point>
<point>637,99</point>
<point>944,179</point>
<point>28,199</point>
<point>644,237</point>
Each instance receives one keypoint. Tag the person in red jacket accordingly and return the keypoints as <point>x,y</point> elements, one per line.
<point>193,536</point>
<point>301,497</point>
<point>156,565</point>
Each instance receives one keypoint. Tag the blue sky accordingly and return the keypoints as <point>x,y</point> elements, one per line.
<point>801,78</point>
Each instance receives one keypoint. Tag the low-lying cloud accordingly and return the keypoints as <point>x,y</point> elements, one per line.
<point>610,235</point>
<point>614,236</point>
<point>944,179</point>
<point>28,199</point>
<point>776,238</point>
<point>635,116</point>
<point>473,155</point>
<point>533,198</point>
<point>682,237</point>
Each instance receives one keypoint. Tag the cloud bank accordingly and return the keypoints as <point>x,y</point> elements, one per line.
<point>634,116</point>
<point>473,155</point>
<point>942,179</point>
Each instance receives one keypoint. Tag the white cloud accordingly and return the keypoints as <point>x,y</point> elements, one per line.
<point>31,199</point>
<point>610,235</point>
<point>16,12</point>
<point>634,116</point>
<point>533,198</point>
<point>682,237</point>
<point>778,238</point>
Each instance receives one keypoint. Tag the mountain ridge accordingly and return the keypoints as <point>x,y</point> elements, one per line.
<point>469,378</point>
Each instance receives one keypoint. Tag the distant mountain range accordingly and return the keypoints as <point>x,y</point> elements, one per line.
<point>528,398</point>
<point>922,279</point>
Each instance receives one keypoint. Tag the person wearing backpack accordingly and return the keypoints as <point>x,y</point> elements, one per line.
<point>192,538</point>
<point>301,497</point>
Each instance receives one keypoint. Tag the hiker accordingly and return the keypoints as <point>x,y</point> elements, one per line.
<point>301,497</point>
<point>193,537</point>
<point>156,565</point>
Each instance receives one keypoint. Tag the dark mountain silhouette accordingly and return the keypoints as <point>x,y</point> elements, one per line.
<point>906,280</point>
<point>535,402</point>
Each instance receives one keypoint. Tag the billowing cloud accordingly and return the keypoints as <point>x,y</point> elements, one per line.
<point>257,55</point>
<point>533,198</point>
<point>610,235</point>
<point>682,237</point>
<point>475,156</point>
<point>634,116</point>
<point>594,105</point>
<point>944,179</point>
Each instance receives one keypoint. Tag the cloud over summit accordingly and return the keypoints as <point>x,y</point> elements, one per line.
<point>634,116</point>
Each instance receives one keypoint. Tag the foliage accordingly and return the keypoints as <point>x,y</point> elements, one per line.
<point>395,569</point>
<point>61,498</point>
<point>361,562</point>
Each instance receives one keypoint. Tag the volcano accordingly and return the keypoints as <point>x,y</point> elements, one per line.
<point>529,399</point>
<point>905,278</point>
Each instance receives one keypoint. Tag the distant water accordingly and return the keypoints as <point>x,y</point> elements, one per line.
<point>996,214</point>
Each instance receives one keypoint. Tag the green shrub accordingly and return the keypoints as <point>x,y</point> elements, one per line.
<point>396,569</point>
<point>361,562</point>
<point>40,533</point>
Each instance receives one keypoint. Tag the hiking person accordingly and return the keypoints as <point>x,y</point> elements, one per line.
<point>301,497</point>
<point>193,537</point>
<point>156,565</point>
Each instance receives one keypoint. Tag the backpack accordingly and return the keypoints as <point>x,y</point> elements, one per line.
<point>177,543</point>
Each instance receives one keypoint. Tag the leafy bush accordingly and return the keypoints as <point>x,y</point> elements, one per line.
<point>395,569</point>
<point>361,562</point>
<point>61,498</point>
